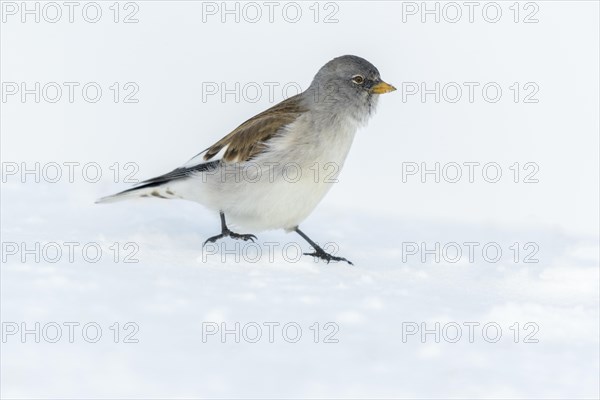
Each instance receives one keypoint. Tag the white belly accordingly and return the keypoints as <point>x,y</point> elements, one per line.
<point>282,186</point>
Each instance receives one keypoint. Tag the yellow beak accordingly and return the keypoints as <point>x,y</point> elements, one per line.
<point>382,87</point>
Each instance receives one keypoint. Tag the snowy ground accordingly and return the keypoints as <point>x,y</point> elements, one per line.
<point>360,326</point>
<point>171,292</point>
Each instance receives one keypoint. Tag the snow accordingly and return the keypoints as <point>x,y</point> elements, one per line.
<point>176,294</point>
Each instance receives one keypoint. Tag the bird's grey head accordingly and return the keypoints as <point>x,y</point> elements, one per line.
<point>348,84</point>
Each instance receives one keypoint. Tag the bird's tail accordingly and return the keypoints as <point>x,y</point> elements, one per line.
<point>147,190</point>
<point>166,186</point>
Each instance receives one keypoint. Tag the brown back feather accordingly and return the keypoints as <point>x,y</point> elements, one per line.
<point>248,139</point>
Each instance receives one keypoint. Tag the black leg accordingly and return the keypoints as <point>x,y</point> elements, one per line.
<point>319,252</point>
<point>225,232</point>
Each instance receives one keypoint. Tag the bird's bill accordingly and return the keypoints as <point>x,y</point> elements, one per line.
<point>382,87</point>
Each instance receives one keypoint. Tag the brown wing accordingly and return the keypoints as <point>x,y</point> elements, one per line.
<point>248,139</point>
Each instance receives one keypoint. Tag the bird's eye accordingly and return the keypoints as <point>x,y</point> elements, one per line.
<point>358,79</point>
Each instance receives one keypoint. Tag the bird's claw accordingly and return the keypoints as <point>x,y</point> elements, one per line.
<point>327,257</point>
<point>213,239</point>
<point>233,235</point>
<point>244,237</point>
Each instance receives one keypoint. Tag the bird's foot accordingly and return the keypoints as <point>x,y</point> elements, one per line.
<point>326,256</point>
<point>242,236</point>
<point>233,235</point>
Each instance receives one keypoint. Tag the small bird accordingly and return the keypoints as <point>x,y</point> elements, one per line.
<point>272,170</point>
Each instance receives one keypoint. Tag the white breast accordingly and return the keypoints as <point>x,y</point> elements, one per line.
<point>282,186</point>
